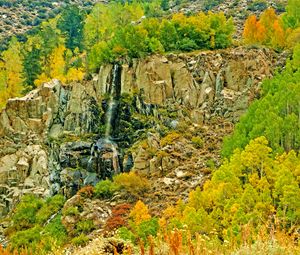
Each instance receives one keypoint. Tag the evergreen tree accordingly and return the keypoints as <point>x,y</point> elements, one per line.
<point>165,5</point>
<point>71,24</point>
<point>32,67</point>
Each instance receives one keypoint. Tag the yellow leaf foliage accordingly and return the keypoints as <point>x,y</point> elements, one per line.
<point>58,64</point>
<point>11,68</point>
<point>268,30</point>
<point>42,78</point>
<point>75,74</point>
<point>140,213</point>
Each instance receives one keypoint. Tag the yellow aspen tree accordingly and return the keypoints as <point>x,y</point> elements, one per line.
<point>3,84</point>
<point>41,79</point>
<point>139,213</point>
<point>249,33</point>
<point>278,39</point>
<point>12,69</point>
<point>75,74</point>
<point>58,64</point>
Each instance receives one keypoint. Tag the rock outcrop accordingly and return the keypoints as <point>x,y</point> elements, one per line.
<point>207,83</point>
<point>46,137</point>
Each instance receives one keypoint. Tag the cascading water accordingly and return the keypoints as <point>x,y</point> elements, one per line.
<point>111,102</point>
<point>105,150</point>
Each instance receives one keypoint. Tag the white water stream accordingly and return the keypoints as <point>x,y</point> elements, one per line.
<point>111,104</point>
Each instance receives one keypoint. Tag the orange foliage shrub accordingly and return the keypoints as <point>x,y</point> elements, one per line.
<point>87,192</point>
<point>254,31</point>
<point>119,217</point>
<point>15,252</point>
<point>174,241</point>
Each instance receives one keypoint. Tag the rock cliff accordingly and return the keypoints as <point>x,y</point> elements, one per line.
<point>48,138</point>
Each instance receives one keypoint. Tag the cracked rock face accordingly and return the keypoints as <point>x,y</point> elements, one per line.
<point>207,83</point>
<point>46,136</point>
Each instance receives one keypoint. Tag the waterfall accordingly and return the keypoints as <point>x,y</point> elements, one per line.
<point>104,152</point>
<point>111,102</point>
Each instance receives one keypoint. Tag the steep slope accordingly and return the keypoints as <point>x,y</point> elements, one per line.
<point>17,17</point>
<point>47,136</point>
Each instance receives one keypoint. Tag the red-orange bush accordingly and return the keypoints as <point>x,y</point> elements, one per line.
<point>87,191</point>
<point>119,217</point>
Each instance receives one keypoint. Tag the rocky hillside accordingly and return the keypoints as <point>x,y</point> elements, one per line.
<point>240,10</point>
<point>120,145</point>
<point>49,137</point>
<point>17,17</point>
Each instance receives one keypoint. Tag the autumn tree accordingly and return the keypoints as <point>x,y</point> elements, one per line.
<point>59,69</point>
<point>268,30</point>
<point>139,213</point>
<point>275,115</point>
<point>248,189</point>
<point>116,31</point>
<point>254,31</point>
<point>11,71</point>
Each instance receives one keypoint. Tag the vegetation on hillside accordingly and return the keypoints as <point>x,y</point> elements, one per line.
<point>132,36</point>
<point>275,115</point>
<point>73,43</point>
<point>36,225</point>
<point>251,203</point>
<point>275,31</point>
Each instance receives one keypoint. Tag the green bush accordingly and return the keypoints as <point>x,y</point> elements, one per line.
<point>29,217</point>
<point>85,226</point>
<point>56,230</point>
<point>125,234</point>
<point>24,216</point>
<point>105,189</point>
<point>80,240</point>
<point>142,231</point>
<point>187,44</point>
<point>29,239</point>
<point>148,228</point>
<point>209,4</point>
<point>197,142</point>
<point>50,207</point>
<point>210,163</point>
<point>71,211</point>
<point>258,5</point>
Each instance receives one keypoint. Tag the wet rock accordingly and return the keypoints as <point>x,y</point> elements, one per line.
<point>91,179</point>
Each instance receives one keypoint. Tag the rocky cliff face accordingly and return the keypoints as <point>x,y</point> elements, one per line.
<point>49,137</point>
<point>206,83</point>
